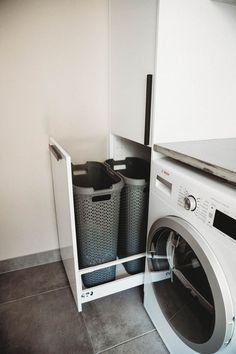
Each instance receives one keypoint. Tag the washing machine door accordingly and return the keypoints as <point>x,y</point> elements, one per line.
<point>189,285</point>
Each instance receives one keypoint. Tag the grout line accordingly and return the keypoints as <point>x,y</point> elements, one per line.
<point>126,341</point>
<point>33,295</point>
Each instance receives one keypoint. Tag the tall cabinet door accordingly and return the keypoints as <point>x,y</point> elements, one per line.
<point>132,57</point>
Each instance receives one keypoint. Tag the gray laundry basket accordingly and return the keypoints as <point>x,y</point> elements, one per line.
<point>97,202</point>
<point>133,210</point>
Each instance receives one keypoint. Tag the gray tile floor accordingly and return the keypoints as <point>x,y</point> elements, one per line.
<point>38,315</point>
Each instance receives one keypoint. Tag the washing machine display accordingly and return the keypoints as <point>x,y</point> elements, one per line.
<point>225,223</point>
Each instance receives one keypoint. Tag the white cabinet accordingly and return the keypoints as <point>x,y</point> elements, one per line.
<point>195,80</point>
<point>64,206</point>
<point>132,60</point>
<point>132,54</point>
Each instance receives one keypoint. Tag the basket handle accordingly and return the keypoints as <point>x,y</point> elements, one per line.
<point>100,198</point>
<point>80,169</point>
<point>120,165</point>
<point>118,162</point>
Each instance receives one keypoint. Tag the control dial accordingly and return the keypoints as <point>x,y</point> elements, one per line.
<point>190,203</point>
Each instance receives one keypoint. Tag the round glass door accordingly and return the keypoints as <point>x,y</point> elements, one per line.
<point>187,281</point>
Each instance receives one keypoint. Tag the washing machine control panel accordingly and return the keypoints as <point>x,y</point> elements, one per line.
<point>201,199</point>
<point>208,210</point>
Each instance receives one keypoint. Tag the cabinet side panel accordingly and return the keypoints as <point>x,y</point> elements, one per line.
<point>120,148</point>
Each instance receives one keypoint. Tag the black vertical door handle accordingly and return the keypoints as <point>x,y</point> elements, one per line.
<point>148,109</point>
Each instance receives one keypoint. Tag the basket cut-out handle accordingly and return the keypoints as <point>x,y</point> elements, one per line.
<point>100,198</point>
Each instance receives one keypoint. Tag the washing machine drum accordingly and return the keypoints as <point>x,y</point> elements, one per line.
<point>194,296</point>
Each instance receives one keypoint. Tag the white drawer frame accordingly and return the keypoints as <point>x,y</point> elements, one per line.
<point>64,206</point>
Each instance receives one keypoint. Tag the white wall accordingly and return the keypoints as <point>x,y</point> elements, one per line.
<point>53,80</point>
<point>195,71</point>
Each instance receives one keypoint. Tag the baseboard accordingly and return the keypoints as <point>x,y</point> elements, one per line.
<point>31,260</point>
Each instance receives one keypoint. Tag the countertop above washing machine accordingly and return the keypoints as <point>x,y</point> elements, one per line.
<point>215,156</point>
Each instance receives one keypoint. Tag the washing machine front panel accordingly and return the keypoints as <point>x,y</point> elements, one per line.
<point>186,212</point>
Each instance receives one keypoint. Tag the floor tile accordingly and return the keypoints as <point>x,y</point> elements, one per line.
<point>116,318</point>
<point>150,343</point>
<point>47,323</point>
<point>31,281</point>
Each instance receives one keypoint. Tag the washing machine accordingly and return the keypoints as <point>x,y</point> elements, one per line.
<point>190,275</point>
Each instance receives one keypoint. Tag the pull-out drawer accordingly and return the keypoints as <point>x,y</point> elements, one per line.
<point>64,206</point>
